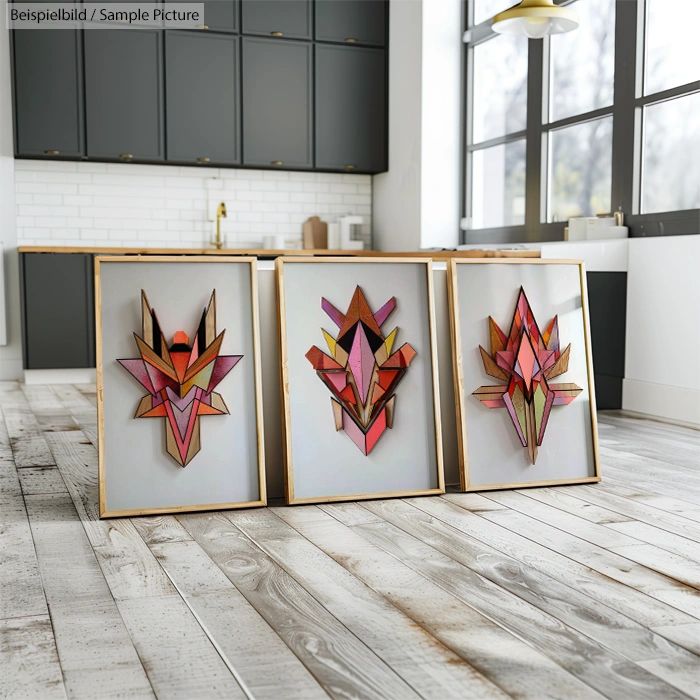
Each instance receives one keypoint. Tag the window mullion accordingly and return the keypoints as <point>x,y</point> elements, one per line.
<point>533,152</point>
<point>626,141</point>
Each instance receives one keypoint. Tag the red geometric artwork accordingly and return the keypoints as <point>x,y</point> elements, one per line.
<point>180,378</point>
<point>526,360</point>
<point>361,372</point>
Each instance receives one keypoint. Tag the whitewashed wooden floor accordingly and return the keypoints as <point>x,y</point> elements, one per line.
<point>572,592</point>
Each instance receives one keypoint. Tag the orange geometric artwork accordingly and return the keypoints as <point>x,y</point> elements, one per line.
<point>180,378</point>
<point>361,371</point>
<point>525,360</point>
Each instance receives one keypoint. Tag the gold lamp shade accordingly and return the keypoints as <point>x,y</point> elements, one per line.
<point>535,19</point>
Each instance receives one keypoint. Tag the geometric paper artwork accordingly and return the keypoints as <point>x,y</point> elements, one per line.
<point>526,360</point>
<point>180,378</point>
<point>361,371</point>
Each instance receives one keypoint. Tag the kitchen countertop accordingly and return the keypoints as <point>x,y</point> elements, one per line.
<point>259,252</point>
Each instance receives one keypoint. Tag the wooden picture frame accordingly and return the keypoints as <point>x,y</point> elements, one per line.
<point>292,498</point>
<point>461,399</point>
<point>261,500</point>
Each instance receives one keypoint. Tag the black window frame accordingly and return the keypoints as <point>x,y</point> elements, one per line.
<point>627,137</point>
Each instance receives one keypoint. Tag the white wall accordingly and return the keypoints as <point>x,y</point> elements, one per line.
<point>441,141</point>
<point>662,373</point>
<point>10,354</point>
<point>416,203</point>
<point>126,204</point>
<point>397,201</point>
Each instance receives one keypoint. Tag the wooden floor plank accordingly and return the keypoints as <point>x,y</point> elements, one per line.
<point>179,658</point>
<point>635,604</point>
<point>513,665</point>
<point>650,473</point>
<point>128,565</point>
<point>637,511</point>
<point>652,557</point>
<point>159,529</point>
<point>21,590</point>
<point>42,400</point>
<point>94,647</point>
<point>72,399</point>
<point>649,498</point>
<point>29,666</point>
<point>602,669</point>
<point>608,628</point>
<point>26,438</point>
<point>678,595</point>
<point>225,613</point>
<point>339,661</point>
<point>431,669</point>
<point>659,445</point>
<point>35,480</point>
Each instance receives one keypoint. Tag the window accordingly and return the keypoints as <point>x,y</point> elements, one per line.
<point>497,151</point>
<point>612,121</point>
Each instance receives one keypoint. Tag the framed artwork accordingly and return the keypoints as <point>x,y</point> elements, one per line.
<point>178,384</point>
<point>359,379</point>
<point>523,373</point>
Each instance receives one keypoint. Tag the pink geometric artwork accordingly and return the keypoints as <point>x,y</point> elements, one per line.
<point>361,372</point>
<point>526,360</point>
<point>180,378</point>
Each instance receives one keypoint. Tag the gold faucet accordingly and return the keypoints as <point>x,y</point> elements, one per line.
<point>221,211</point>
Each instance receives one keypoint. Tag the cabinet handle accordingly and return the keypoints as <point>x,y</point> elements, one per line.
<point>126,156</point>
<point>203,160</point>
<point>276,162</point>
<point>349,167</point>
<point>351,41</point>
<point>50,153</point>
<point>202,26</point>
<point>276,33</point>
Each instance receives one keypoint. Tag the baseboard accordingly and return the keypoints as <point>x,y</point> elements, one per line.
<point>668,402</point>
<point>11,369</point>
<point>60,376</point>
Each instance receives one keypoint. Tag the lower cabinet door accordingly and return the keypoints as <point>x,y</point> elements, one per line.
<point>124,94</point>
<point>58,310</point>
<point>351,111</point>
<point>202,98</point>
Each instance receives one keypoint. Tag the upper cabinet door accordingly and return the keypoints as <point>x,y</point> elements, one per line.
<point>280,18</point>
<point>202,97</point>
<point>277,103</point>
<point>48,87</point>
<point>351,113</point>
<point>219,15</point>
<point>124,94</point>
<point>352,21</point>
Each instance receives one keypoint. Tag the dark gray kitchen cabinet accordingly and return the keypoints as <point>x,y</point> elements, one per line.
<point>351,108</point>
<point>352,21</point>
<point>291,19</point>
<point>219,15</point>
<point>277,103</point>
<point>607,304</point>
<point>124,94</point>
<point>48,92</point>
<point>58,311</point>
<point>202,97</point>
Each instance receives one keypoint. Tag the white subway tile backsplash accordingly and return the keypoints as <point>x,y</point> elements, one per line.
<point>125,204</point>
